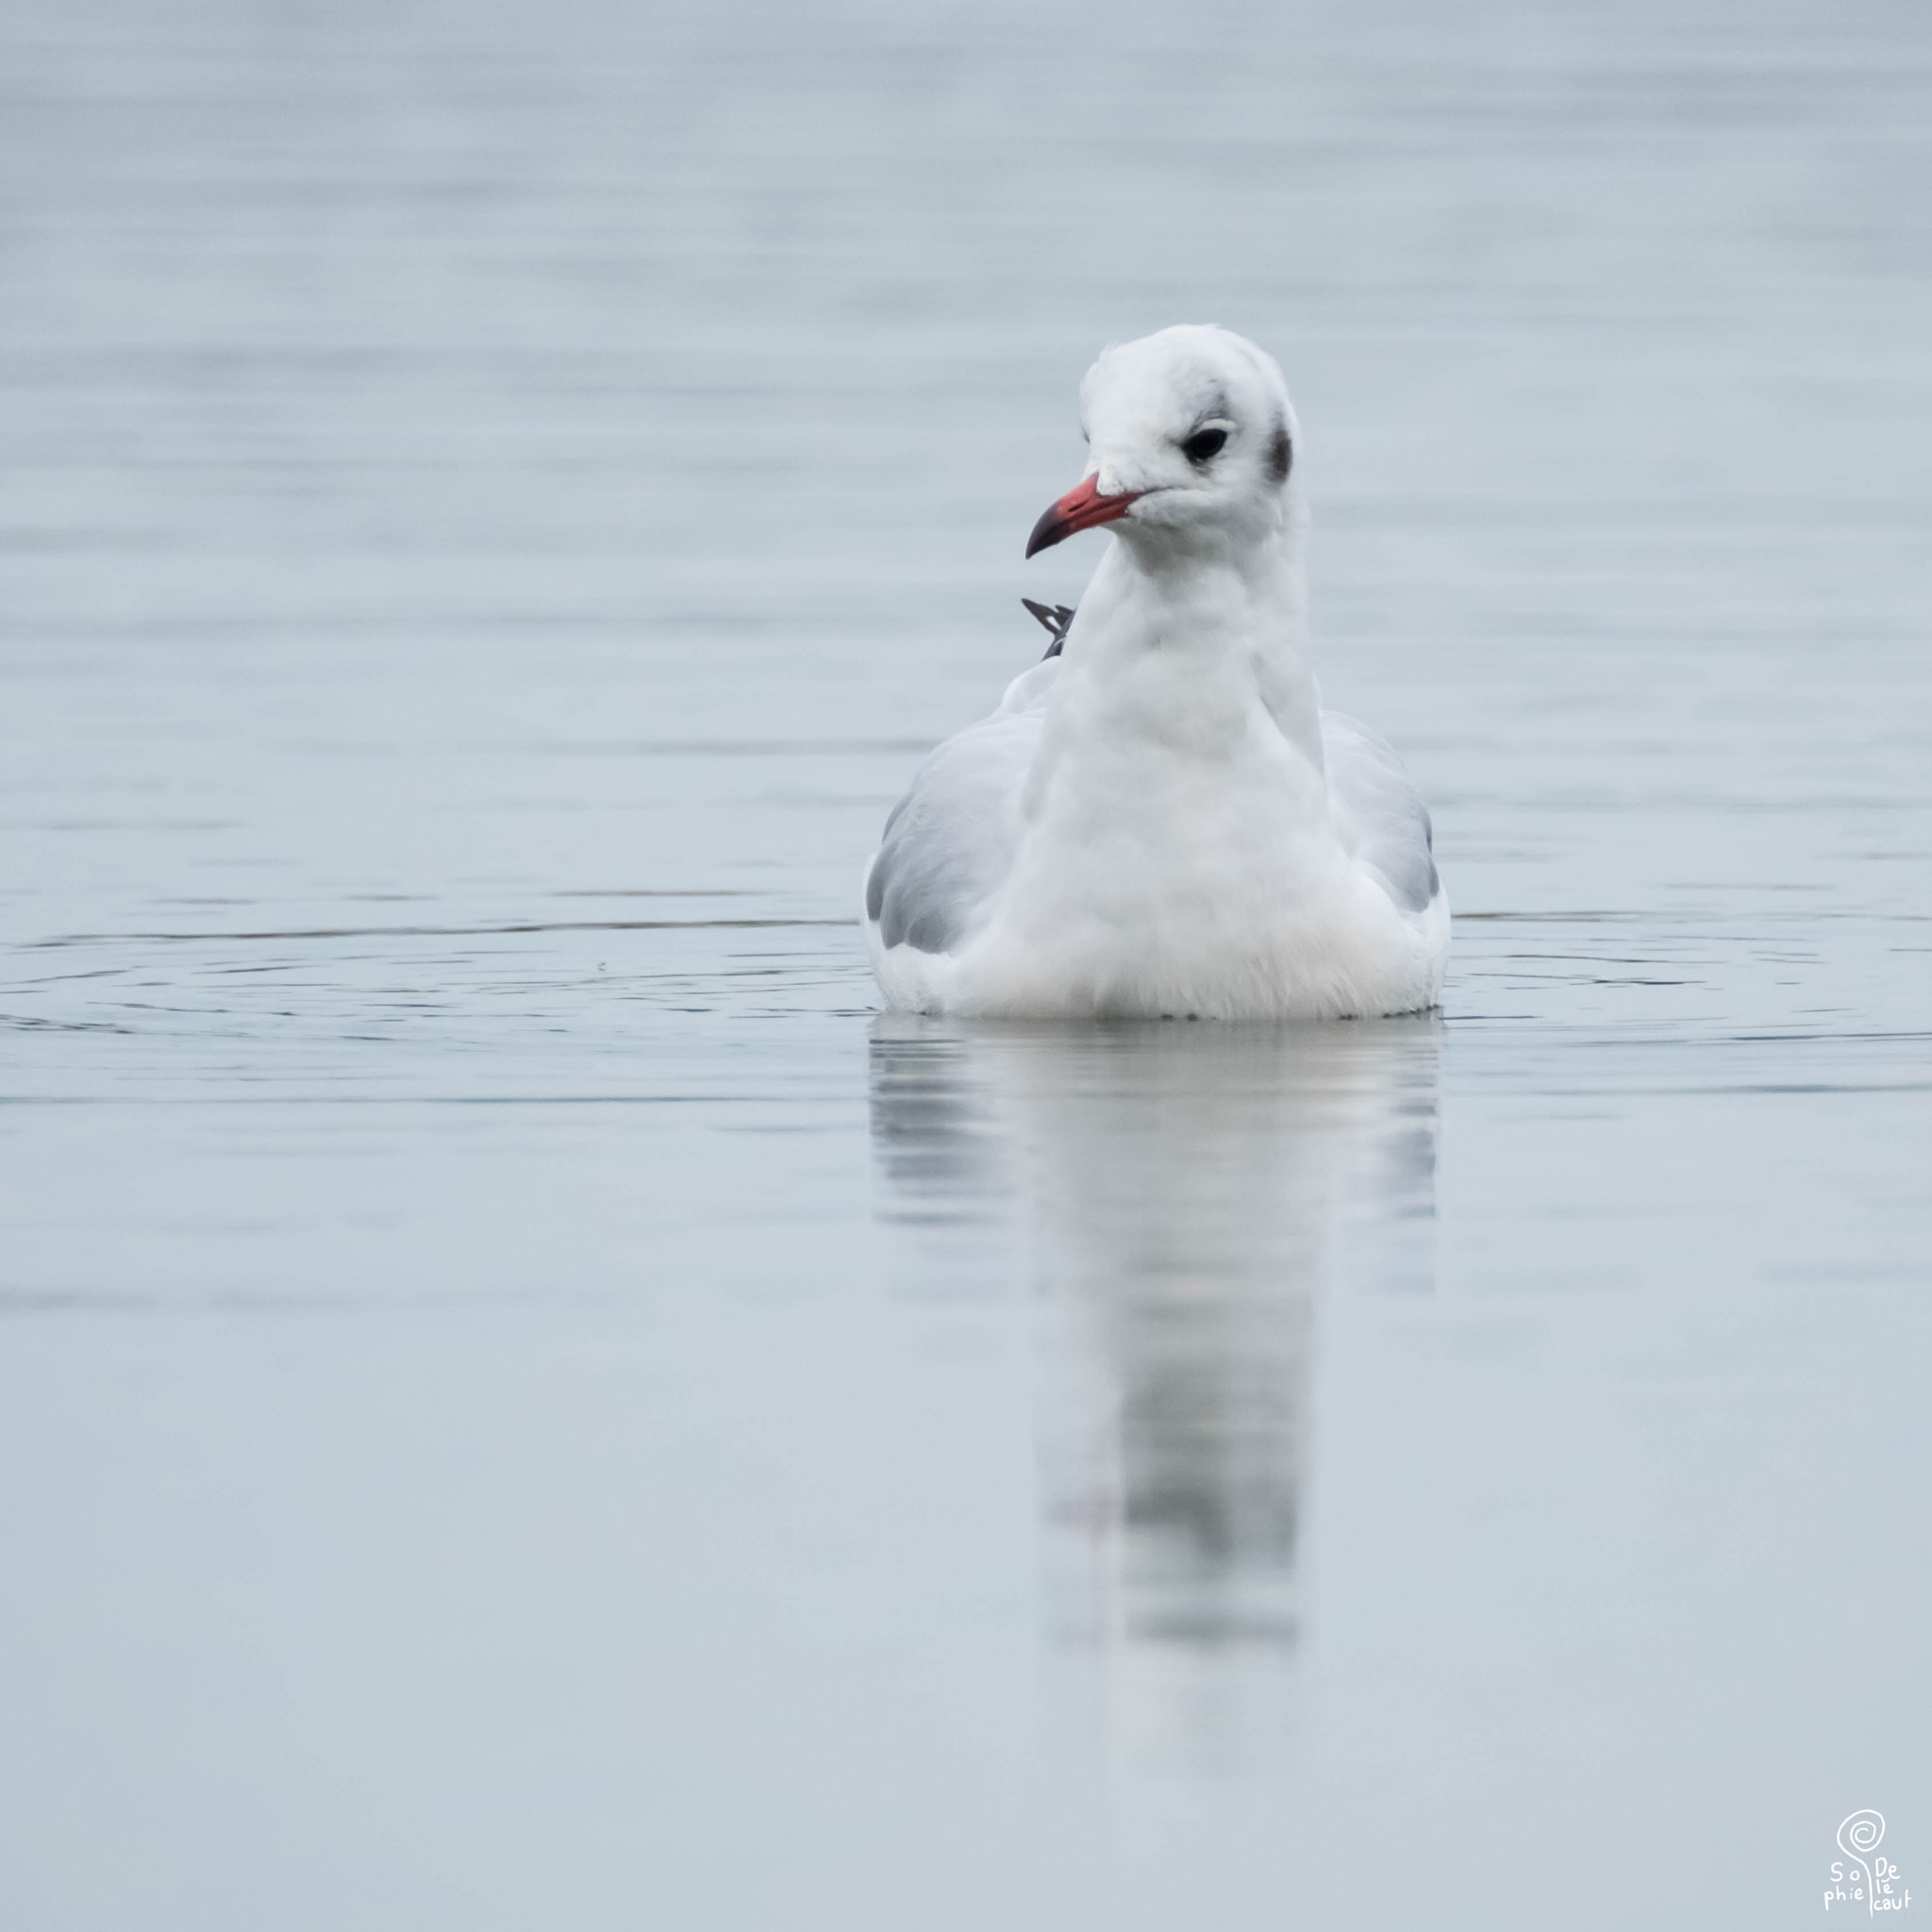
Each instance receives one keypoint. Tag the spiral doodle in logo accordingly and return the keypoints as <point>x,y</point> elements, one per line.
<point>1856,1837</point>
<point>1871,1881</point>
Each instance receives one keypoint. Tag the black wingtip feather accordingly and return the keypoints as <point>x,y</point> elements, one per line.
<point>1056,618</point>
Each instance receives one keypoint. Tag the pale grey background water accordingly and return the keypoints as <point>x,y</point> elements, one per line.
<point>521,1404</point>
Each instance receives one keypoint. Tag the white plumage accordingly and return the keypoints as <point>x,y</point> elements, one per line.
<point>1161,820</point>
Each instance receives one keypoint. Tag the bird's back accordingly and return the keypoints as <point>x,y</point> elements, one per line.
<point>1382,813</point>
<point>949,842</point>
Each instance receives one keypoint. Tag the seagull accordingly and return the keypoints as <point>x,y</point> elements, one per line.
<point>1160,821</point>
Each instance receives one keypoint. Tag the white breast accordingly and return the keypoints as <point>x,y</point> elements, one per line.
<point>1178,855</point>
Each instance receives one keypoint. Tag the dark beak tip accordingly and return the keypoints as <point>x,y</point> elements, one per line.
<point>1048,531</point>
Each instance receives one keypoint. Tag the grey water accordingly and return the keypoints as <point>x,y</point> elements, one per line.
<point>524,1402</point>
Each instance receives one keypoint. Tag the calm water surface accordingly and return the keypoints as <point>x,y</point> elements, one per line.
<point>525,1403</point>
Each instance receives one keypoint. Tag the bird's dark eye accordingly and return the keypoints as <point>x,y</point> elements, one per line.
<point>1203,445</point>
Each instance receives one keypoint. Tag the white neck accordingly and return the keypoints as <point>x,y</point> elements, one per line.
<point>1179,633</point>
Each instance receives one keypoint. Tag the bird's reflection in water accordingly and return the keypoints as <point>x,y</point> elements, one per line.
<point>1175,1196</point>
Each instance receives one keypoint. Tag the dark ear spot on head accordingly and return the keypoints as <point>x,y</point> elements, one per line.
<point>1280,454</point>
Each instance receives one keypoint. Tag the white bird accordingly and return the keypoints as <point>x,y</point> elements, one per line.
<point>1160,820</point>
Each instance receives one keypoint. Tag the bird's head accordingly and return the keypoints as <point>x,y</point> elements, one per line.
<point>1193,442</point>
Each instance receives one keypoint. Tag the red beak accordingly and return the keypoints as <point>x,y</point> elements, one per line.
<point>1080,508</point>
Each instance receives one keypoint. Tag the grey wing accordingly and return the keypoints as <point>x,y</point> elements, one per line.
<point>950,841</point>
<point>1383,813</point>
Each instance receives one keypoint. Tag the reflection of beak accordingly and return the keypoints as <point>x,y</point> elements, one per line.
<point>1080,508</point>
